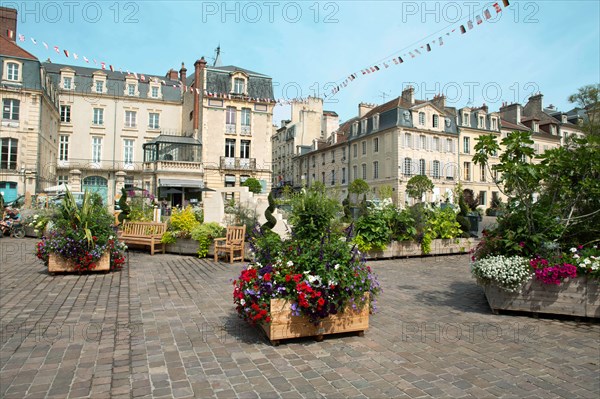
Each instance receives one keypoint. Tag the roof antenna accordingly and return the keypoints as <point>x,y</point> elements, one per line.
<point>217,62</point>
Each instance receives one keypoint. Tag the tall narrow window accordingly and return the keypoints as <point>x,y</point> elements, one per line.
<point>449,145</point>
<point>99,86</point>
<point>364,147</point>
<point>10,109</point>
<point>375,170</point>
<point>436,144</point>
<point>482,172</point>
<point>130,118</point>
<point>246,113</point>
<point>355,150</point>
<point>12,71</point>
<point>230,120</point>
<point>245,149</point>
<point>408,140</point>
<point>355,172</point>
<point>239,86</point>
<point>422,142</point>
<point>422,167</point>
<point>153,120</point>
<point>466,145</point>
<point>131,89</point>
<point>65,113</point>
<point>67,83</point>
<point>376,144</point>
<point>230,148</point>
<point>128,151</point>
<point>436,120</point>
<point>96,149</point>
<point>467,171</point>
<point>422,118</point>
<point>436,169</point>
<point>154,92</point>
<point>8,154</point>
<point>407,167</point>
<point>98,116</point>
<point>364,171</point>
<point>63,148</point>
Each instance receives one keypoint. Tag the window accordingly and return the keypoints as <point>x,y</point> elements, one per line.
<point>449,145</point>
<point>153,120</point>
<point>245,117</point>
<point>482,173</point>
<point>467,171</point>
<point>375,170</point>
<point>466,119</point>
<point>407,140</point>
<point>376,144</point>
<point>375,122</point>
<point>65,113</point>
<point>449,172</point>
<point>364,171</point>
<point>482,198</point>
<point>323,159</point>
<point>436,169</point>
<point>343,153</point>
<point>63,179</point>
<point>154,92</point>
<point>422,142</point>
<point>130,119</point>
<point>230,120</point>
<point>364,147</point>
<point>313,161</point>
<point>229,180</point>
<point>323,177</point>
<point>355,150</point>
<point>10,109</point>
<point>131,89</point>
<point>332,177</point>
<point>239,86</point>
<point>422,118</point>
<point>67,83</point>
<point>481,122</point>
<point>63,148</point>
<point>128,151</point>
<point>12,71</point>
<point>495,175</point>
<point>466,145</point>
<point>436,120</point>
<point>436,143</point>
<point>332,156</point>
<point>407,167</point>
<point>355,172</point>
<point>363,126</point>
<point>99,86</point>
<point>230,148</point>
<point>422,167</point>
<point>343,175</point>
<point>245,149</point>
<point>96,149</point>
<point>98,116</point>
<point>494,124</point>
<point>8,154</point>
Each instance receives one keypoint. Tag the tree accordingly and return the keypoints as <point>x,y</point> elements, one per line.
<point>419,185</point>
<point>253,185</point>
<point>358,187</point>
<point>588,98</point>
<point>470,199</point>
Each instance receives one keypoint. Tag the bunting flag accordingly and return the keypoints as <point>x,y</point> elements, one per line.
<point>86,60</point>
<point>441,41</point>
<point>428,47</point>
<point>497,7</point>
<point>487,14</point>
<point>505,2</point>
<point>470,25</point>
<point>34,41</point>
<point>479,20</point>
<point>75,56</point>
<point>56,49</point>
<point>66,53</point>
<point>103,64</point>
<point>400,60</point>
<point>111,68</point>
<point>462,29</point>
<point>45,45</point>
<point>21,38</point>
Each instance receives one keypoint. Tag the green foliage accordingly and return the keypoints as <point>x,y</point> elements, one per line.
<point>312,213</point>
<point>358,187</point>
<point>419,185</point>
<point>123,206</point>
<point>181,224</point>
<point>470,199</point>
<point>465,224</point>
<point>205,235</point>
<point>240,214</point>
<point>372,231</point>
<point>443,224</point>
<point>271,221</point>
<point>347,212</point>
<point>266,246</point>
<point>386,192</point>
<point>253,185</point>
<point>588,98</point>
<point>168,237</point>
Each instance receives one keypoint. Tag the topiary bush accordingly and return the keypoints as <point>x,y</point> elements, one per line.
<point>271,221</point>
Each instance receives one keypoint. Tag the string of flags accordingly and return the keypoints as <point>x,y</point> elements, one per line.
<point>397,59</point>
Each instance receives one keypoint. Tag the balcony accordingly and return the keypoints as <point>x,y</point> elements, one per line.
<point>228,163</point>
<point>246,130</point>
<point>102,165</point>
<point>229,128</point>
<point>174,166</point>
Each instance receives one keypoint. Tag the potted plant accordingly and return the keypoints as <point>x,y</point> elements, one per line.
<point>82,237</point>
<point>314,283</point>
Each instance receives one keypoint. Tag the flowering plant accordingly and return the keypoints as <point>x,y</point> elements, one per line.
<point>318,271</point>
<point>82,234</point>
<point>508,272</point>
<point>587,260</point>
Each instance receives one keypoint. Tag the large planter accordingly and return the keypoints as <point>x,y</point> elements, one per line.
<point>187,246</point>
<point>401,249</point>
<point>574,297</point>
<point>59,264</point>
<point>284,325</point>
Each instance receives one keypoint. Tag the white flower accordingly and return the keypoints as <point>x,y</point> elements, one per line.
<point>242,302</point>
<point>314,279</point>
<point>249,266</point>
<point>331,282</point>
<point>576,256</point>
<point>290,263</point>
<point>337,266</point>
<point>573,250</point>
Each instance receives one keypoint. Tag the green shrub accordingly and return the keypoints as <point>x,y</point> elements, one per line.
<point>372,232</point>
<point>205,235</point>
<point>183,221</point>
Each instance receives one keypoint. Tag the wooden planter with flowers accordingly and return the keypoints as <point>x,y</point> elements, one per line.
<point>284,325</point>
<point>578,296</point>
<point>57,264</point>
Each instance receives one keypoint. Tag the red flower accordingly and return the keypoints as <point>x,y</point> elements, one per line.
<point>267,277</point>
<point>288,278</point>
<point>321,302</point>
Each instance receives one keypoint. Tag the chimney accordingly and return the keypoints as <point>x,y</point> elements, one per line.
<point>408,95</point>
<point>484,108</point>
<point>8,23</point>
<point>533,106</point>
<point>439,101</point>
<point>364,108</point>
<point>172,74</point>
<point>182,73</point>
<point>512,113</point>
<point>199,67</point>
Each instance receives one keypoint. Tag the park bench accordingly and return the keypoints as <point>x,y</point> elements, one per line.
<point>144,233</point>
<point>232,242</point>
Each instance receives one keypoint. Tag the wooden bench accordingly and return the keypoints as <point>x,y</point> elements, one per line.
<point>232,243</point>
<point>144,233</point>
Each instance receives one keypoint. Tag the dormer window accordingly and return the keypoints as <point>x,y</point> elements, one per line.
<point>436,120</point>
<point>239,86</point>
<point>131,89</point>
<point>422,118</point>
<point>12,71</point>
<point>375,122</point>
<point>363,126</point>
<point>466,119</point>
<point>481,122</point>
<point>154,91</point>
<point>354,128</point>
<point>494,123</point>
<point>67,82</point>
<point>553,130</point>
<point>99,79</point>
<point>564,118</point>
<point>536,127</point>
<point>99,86</point>
<point>67,79</point>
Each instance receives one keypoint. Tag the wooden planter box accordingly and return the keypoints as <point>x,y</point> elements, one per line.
<point>400,249</point>
<point>574,297</point>
<point>284,326</point>
<point>187,246</point>
<point>59,264</point>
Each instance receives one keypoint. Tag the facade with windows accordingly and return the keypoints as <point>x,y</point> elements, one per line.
<point>29,120</point>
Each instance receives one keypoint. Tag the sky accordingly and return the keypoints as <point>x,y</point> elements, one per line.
<point>309,47</point>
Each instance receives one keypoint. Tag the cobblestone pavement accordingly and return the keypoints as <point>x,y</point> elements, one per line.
<point>165,327</point>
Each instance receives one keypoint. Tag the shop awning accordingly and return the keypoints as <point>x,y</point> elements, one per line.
<point>181,183</point>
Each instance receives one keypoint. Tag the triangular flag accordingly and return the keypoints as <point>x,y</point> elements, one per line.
<point>135,76</point>
<point>470,25</point>
<point>66,53</point>
<point>428,47</point>
<point>45,45</point>
<point>85,59</point>
<point>95,62</point>
<point>142,78</point>
<point>103,65</point>
<point>395,61</point>
<point>497,7</point>
<point>75,56</point>
<point>487,14</point>
<point>506,3</point>
<point>21,38</point>
<point>111,68</point>
<point>478,19</point>
<point>411,54</point>
<point>462,29</point>
<point>386,65</point>
<point>34,41</point>
<point>417,51</point>
<point>376,68</point>
<point>400,59</point>
<point>363,72</point>
<point>56,49</point>
<point>441,41</point>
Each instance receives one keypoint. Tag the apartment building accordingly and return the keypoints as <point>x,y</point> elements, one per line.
<point>30,117</point>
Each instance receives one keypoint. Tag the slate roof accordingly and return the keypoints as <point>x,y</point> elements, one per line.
<point>164,138</point>
<point>115,82</point>
<point>218,80</point>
